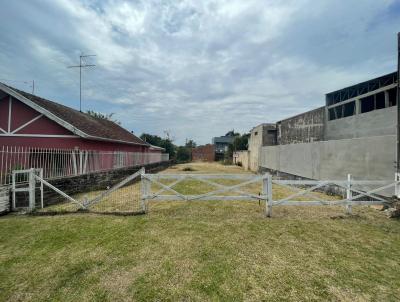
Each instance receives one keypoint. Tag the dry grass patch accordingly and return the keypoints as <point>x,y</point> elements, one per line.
<point>202,251</point>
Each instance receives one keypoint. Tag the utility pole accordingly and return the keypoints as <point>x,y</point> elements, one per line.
<point>80,75</point>
<point>397,103</point>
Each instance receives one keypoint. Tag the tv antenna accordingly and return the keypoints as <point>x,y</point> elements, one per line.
<point>30,83</point>
<point>84,65</point>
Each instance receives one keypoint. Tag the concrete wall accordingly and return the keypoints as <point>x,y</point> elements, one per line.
<point>373,123</point>
<point>303,128</point>
<point>365,158</point>
<point>242,157</point>
<point>261,135</point>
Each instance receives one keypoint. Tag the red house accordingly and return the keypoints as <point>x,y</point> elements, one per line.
<point>31,127</point>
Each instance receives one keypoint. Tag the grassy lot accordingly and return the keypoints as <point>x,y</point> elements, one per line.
<point>202,251</point>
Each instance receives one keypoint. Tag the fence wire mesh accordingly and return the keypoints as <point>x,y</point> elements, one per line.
<point>121,198</point>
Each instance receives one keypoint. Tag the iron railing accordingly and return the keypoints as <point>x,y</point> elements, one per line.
<point>66,162</point>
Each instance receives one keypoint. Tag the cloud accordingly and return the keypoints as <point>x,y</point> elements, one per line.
<point>197,68</point>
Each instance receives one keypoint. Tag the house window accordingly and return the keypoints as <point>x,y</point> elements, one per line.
<point>256,133</point>
<point>119,159</point>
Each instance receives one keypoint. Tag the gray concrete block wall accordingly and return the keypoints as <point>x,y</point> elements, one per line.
<point>303,128</point>
<point>365,158</point>
<point>373,123</point>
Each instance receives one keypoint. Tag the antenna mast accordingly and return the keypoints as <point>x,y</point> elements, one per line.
<point>84,65</point>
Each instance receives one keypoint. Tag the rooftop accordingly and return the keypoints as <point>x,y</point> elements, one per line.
<point>80,123</point>
<point>360,88</point>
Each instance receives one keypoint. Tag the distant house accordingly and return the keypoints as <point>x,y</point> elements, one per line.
<point>33,128</point>
<point>222,143</point>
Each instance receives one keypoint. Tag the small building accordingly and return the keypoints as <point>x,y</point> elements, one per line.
<point>261,135</point>
<point>35,132</point>
<point>222,143</point>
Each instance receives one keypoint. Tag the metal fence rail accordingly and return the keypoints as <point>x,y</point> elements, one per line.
<point>66,162</point>
<point>304,192</point>
<point>357,192</point>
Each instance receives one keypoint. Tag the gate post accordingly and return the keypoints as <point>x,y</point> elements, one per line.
<point>267,188</point>
<point>397,185</point>
<point>13,206</point>
<point>144,188</point>
<point>349,195</point>
<point>32,185</point>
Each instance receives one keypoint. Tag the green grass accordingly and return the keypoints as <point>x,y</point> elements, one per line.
<point>197,251</point>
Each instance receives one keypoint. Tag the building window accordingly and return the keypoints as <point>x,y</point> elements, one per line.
<point>380,100</point>
<point>392,97</point>
<point>367,104</point>
<point>331,114</point>
<point>339,111</point>
<point>349,109</point>
<point>256,133</point>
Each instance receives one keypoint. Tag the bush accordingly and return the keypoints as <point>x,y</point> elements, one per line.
<point>183,154</point>
<point>188,169</point>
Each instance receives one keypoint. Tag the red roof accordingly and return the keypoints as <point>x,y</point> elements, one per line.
<point>82,124</point>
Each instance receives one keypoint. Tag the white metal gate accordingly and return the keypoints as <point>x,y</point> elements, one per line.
<point>217,193</point>
<point>123,198</point>
<point>25,181</point>
<point>303,190</point>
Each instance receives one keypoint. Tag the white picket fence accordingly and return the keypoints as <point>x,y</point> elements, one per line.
<point>65,162</point>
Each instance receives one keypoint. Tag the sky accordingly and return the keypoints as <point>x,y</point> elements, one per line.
<point>196,69</point>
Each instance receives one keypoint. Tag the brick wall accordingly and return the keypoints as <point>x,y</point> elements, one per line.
<point>204,153</point>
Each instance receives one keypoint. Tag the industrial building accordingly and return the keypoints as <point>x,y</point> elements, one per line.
<point>354,133</point>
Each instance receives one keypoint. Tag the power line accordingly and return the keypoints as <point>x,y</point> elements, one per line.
<point>84,65</point>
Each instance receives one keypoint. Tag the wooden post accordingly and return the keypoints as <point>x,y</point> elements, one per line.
<point>32,184</point>
<point>349,195</point>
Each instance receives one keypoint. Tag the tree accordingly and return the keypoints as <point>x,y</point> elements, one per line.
<point>239,143</point>
<point>190,144</point>
<point>103,116</point>
<point>156,140</point>
<point>232,133</point>
<point>183,154</point>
